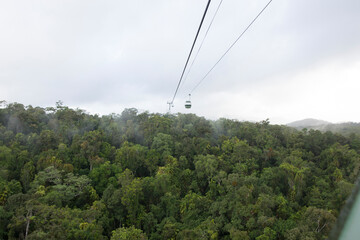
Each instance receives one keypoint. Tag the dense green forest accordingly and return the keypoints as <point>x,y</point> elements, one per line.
<point>67,174</point>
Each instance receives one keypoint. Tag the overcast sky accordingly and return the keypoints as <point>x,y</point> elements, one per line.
<point>301,58</point>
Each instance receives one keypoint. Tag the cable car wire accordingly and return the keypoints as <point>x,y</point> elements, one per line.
<point>202,42</point>
<point>232,45</point>
<point>187,61</point>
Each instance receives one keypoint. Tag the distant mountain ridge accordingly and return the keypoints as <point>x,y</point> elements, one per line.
<point>346,128</point>
<point>308,122</point>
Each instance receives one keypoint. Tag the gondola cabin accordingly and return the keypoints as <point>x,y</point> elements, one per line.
<point>188,104</point>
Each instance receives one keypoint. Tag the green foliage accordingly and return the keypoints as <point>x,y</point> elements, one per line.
<point>49,222</point>
<point>132,157</point>
<point>104,175</point>
<point>130,233</point>
<point>66,174</point>
<point>131,195</point>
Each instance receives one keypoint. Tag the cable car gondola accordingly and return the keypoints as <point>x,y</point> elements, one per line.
<point>188,103</point>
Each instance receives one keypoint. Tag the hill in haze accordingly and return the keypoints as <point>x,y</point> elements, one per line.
<point>308,123</point>
<point>345,128</point>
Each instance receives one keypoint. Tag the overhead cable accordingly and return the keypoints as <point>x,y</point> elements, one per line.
<point>231,46</point>
<point>202,42</point>
<point>187,61</point>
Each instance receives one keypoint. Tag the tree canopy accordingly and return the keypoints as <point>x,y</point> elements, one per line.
<point>67,174</point>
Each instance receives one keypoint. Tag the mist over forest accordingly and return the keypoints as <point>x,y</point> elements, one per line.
<point>68,174</point>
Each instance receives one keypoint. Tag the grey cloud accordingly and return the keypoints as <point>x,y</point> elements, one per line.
<point>132,52</point>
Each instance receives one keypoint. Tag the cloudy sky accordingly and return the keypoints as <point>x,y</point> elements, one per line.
<point>300,59</point>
